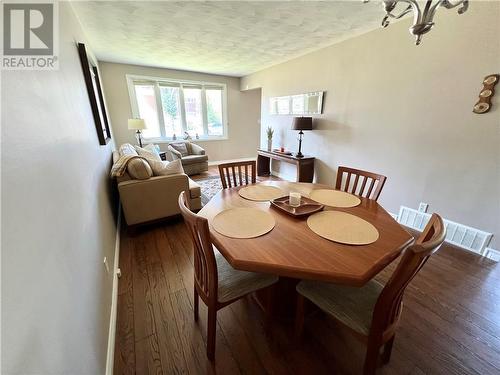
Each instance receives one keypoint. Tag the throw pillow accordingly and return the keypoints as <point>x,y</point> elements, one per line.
<point>165,168</point>
<point>181,147</point>
<point>148,152</point>
<point>139,169</point>
<point>127,149</point>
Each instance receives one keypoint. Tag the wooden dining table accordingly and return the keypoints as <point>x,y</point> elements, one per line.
<point>293,251</point>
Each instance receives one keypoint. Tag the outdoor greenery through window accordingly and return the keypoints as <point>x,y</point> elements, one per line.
<point>170,108</point>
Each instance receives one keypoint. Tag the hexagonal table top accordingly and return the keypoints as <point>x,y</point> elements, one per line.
<point>291,249</point>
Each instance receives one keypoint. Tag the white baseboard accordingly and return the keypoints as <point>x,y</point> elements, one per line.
<point>110,357</point>
<point>492,254</point>
<point>217,162</point>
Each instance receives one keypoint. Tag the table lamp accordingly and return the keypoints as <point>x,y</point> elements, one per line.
<point>137,124</point>
<point>301,123</point>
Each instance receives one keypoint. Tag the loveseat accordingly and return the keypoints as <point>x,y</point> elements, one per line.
<point>145,197</point>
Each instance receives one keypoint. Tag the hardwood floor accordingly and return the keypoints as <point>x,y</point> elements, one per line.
<point>450,321</point>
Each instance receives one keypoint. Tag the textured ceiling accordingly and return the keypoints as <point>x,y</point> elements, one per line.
<point>231,38</point>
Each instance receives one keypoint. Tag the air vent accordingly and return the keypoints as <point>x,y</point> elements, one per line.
<point>457,234</point>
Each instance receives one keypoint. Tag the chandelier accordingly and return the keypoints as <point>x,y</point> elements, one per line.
<point>422,20</point>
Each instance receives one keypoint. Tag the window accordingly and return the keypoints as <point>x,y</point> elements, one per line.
<point>214,111</point>
<point>194,115</point>
<point>146,104</point>
<point>170,108</point>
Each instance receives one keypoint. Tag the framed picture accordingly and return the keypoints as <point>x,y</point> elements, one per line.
<point>96,98</point>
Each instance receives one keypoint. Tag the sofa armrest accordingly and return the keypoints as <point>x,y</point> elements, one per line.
<point>175,154</point>
<point>151,199</point>
<point>197,150</point>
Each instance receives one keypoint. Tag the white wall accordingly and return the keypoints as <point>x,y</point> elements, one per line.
<point>57,220</point>
<point>243,109</point>
<point>404,111</point>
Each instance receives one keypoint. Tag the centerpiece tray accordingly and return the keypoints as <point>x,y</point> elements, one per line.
<point>307,206</point>
<point>276,150</point>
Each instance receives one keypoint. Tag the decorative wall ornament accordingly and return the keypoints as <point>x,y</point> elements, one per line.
<point>484,103</point>
<point>422,20</point>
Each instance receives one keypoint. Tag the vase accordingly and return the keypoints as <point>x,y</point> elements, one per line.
<point>269,144</point>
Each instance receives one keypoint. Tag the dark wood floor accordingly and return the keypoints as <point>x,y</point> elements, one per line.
<point>450,323</point>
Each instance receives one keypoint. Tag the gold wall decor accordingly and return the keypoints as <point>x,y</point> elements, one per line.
<point>487,92</point>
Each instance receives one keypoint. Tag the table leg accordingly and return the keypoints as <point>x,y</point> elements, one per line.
<point>285,298</point>
<point>305,171</point>
<point>263,165</point>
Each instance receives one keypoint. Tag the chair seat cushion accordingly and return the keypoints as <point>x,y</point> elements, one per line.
<point>352,306</point>
<point>194,189</point>
<point>193,159</point>
<point>234,283</point>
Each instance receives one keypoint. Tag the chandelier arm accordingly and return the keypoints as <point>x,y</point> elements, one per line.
<point>412,5</point>
<point>430,11</point>
<point>403,13</point>
<point>422,20</point>
<point>450,5</point>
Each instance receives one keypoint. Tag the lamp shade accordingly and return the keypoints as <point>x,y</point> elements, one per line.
<point>136,124</point>
<point>302,123</point>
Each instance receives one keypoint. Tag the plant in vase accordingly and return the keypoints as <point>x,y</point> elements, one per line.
<point>269,132</point>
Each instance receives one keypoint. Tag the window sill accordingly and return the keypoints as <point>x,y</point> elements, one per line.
<point>194,140</point>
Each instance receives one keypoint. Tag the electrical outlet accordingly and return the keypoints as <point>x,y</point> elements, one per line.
<point>106,265</point>
<point>422,207</point>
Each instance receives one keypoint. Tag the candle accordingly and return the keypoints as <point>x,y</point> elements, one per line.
<point>294,199</point>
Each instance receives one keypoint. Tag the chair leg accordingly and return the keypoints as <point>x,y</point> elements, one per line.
<point>386,355</point>
<point>212,325</point>
<point>371,359</point>
<point>196,304</point>
<point>299,318</point>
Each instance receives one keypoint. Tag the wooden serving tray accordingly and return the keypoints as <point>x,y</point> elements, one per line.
<point>283,152</point>
<point>307,206</point>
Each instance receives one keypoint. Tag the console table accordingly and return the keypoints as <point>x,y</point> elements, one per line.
<point>304,165</point>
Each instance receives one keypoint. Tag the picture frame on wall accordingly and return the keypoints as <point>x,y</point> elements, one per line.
<point>96,97</point>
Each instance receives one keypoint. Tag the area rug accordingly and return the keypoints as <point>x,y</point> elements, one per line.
<point>209,187</point>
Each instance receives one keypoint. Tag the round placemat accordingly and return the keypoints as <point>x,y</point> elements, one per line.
<point>243,222</point>
<point>261,192</point>
<point>343,228</point>
<point>334,198</point>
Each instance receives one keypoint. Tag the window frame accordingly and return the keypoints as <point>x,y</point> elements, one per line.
<point>156,82</point>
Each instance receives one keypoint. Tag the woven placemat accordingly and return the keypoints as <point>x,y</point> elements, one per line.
<point>334,198</point>
<point>343,228</point>
<point>243,222</point>
<point>260,193</point>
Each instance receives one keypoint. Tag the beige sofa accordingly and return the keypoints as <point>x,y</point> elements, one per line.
<point>193,157</point>
<point>154,197</point>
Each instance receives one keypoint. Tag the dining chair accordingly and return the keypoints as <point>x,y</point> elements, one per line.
<point>370,186</point>
<point>215,281</point>
<point>372,312</point>
<point>240,169</point>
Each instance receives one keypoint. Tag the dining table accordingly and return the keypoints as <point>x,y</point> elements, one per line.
<point>294,252</point>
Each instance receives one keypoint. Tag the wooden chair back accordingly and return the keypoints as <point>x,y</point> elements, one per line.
<point>389,304</point>
<point>205,266</point>
<point>237,173</point>
<point>365,184</point>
